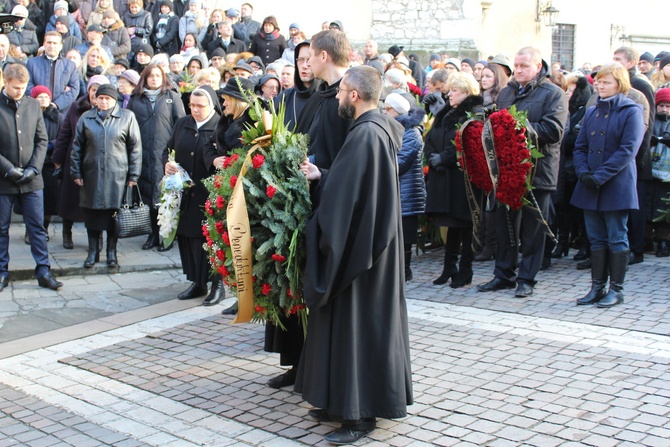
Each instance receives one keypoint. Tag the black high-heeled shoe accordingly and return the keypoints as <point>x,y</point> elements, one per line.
<point>561,249</point>
<point>461,279</point>
<point>447,273</point>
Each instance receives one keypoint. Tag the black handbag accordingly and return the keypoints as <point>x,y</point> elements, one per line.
<point>133,218</point>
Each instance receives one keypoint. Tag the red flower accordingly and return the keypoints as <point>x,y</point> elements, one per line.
<point>217,181</point>
<point>225,237</point>
<point>233,181</point>
<point>205,230</point>
<point>208,207</point>
<point>266,288</point>
<point>210,243</point>
<point>257,161</point>
<point>472,157</point>
<point>229,161</point>
<point>223,271</point>
<point>270,191</point>
<point>220,227</point>
<point>296,308</point>
<point>220,202</point>
<point>425,170</point>
<point>221,255</point>
<point>260,309</point>
<point>278,257</point>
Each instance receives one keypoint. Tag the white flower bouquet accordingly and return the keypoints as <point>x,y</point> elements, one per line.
<point>172,187</point>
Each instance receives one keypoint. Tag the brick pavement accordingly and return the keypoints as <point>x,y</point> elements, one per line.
<point>488,369</point>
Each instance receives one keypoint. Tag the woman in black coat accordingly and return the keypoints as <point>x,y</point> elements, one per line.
<point>106,159</point>
<point>229,129</point>
<point>68,204</point>
<point>157,109</point>
<point>165,37</point>
<point>268,44</point>
<point>191,141</point>
<point>446,200</point>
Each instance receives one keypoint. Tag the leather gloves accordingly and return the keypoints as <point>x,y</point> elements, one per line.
<point>14,174</point>
<point>434,101</point>
<point>28,176</point>
<point>589,180</point>
<point>434,160</point>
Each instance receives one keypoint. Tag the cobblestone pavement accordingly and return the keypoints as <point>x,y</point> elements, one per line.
<point>488,369</point>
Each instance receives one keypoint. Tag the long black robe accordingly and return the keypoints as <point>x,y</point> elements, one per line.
<point>355,362</point>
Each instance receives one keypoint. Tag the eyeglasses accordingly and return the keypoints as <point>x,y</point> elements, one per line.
<point>338,90</point>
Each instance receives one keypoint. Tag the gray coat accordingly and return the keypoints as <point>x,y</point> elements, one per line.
<point>24,142</point>
<point>106,155</point>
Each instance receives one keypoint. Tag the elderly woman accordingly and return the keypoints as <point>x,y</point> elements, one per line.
<point>191,142</point>
<point>106,159</point>
<point>157,109</point>
<point>268,88</point>
<point>604,158</point>
<point>268,43</point>
<point>127,82</point>
<point>208,76</point>
<point>412,185</point>
<point>68,205</point>
<point>446,201</point>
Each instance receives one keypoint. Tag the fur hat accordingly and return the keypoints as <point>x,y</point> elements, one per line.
<point>662,95</point>
<point>39,89</point>
<point>399,104</point>
<point>235,86</point>
<point>107,89</point>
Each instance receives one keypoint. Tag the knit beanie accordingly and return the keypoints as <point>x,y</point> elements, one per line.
<point>39,89</point>
<point>97,80</point>
<point>399,104</point>
<point>107,89</point>
<point>665,61</point>
<point>662,95</point>
<point>455,62</point>
<point>647,57</point>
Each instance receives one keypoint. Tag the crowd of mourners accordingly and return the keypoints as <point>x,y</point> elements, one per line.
<point>154,58</point>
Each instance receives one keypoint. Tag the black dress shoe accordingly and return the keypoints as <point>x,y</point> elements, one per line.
<point>350,432</point>
<point>152,241</point>
<point>523,290</point>
<point>216,294</point>
<point>282,380</point>
<point>162,248</point>
<point>584,265</point>
<point>49,282</point>
<point>232,310</point>
<point>495,284</point>
<point>635,259</point>
<point>582,254</point>
<point>194,291</point>
<point>4,281</point>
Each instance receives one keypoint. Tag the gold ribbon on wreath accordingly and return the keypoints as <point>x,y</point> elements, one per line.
<point>239,231</point>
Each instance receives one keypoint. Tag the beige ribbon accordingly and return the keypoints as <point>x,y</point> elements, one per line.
<point>239,231</point>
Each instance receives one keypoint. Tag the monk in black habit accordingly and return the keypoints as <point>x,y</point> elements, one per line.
<point>355,364</point>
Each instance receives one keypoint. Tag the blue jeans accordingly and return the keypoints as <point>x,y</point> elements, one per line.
<point>607,230</point>
<point>32,204</point>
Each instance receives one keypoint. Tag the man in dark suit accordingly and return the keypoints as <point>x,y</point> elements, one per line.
<point>21,159</point>
<point>226,41</point>
<point>5,58</point>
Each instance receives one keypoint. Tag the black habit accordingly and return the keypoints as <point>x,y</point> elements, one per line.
<point>355,363</point>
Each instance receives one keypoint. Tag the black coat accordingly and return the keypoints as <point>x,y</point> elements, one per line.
<point>106,154</point>
<point>643,158</point>
<point>24,142</point>
<point>355,362</point>
<point>52,121</point>
<point>327,131</point>
<point>143,24</point>
<point>229,132</point>
<point>156,125</point>
<point>68,206</point>
<point>547,108</point>
<point>445,188</point>
<point>235,46</point>
<point>268,50</point>
<point>193,152</point>
<point>169,43</point>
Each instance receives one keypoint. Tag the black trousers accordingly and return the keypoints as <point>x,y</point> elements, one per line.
<point>521,227</point>
<point>637,220</point>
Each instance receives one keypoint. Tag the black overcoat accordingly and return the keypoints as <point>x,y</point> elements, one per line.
<point>193,152</point>
<point>156,124</point>
<point>356,362</point>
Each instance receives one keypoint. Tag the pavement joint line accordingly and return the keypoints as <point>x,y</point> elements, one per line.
<point>563,331</point>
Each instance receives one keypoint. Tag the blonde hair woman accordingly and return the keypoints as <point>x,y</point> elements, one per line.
<point>95,62</point>
<point>208,76</point>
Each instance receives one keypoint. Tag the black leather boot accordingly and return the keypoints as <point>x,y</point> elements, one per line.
<point>112,261</point>
<point>451,251</point>
<point>618,262</point>
<point>464,275</point>
<point>216,294</point>
<point>93,249</point>
<point>408,261</point>
<point>599,270</point>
